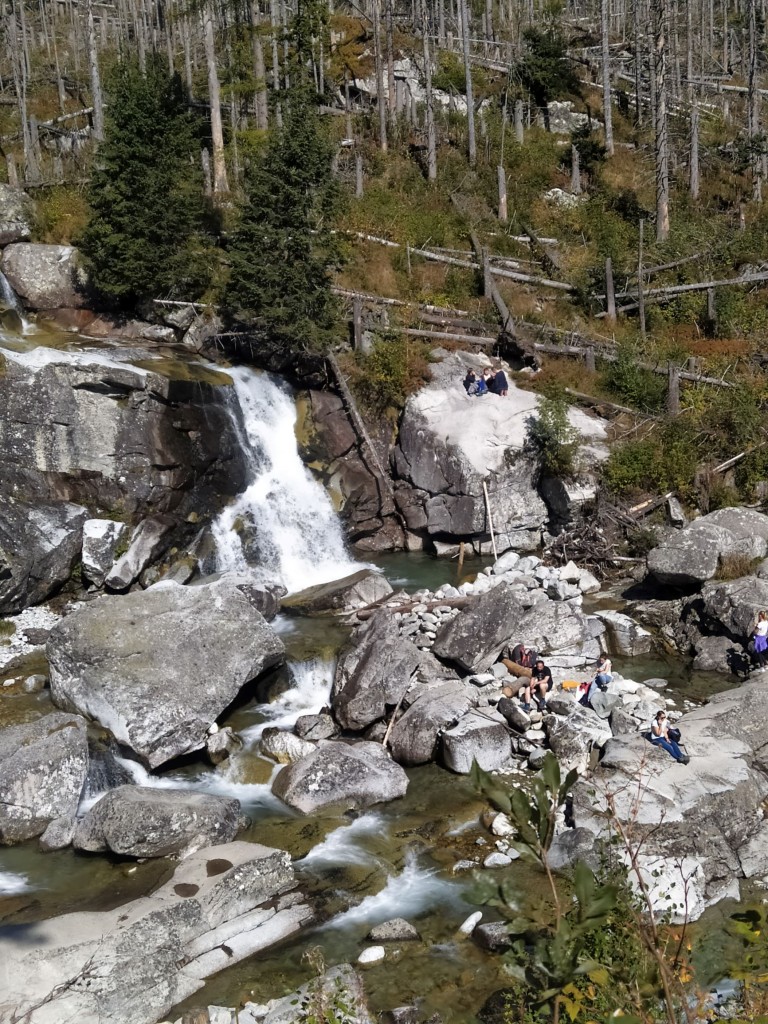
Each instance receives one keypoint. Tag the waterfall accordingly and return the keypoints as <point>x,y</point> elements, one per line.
<point>283,524</point>
<point>10,299</point>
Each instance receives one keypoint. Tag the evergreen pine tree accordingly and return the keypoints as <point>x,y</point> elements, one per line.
<point>143,239</point>
<point>282,251</point>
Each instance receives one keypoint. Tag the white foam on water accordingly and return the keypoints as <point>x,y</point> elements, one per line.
<point>12,884</point>
<point>312,690</point>
<point>11,300</point>
<point>217,783</point>
<point>342,846</point>
<point>296,533</point>
<point>412,892</point>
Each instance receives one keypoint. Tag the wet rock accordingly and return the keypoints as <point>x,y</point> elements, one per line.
<point>157,667</point>
<point>316,727</point>
<point>39,547</point>
<point>148,540</point>
<point>492,936</point>
<point>373,672</point>
<point>17,214</point>
<point>345,595</point>
<point>222,744</point>
<point>284,747</point>
<point>43,765</point>
<point>341,983</point>
<point>396,930</point>
<point>341,775</point>
<point>481,736</point>
<point>626,637</point>
<point>140,821</point>
<point>438,705</point>
<point>115,437</point>
<point>58,835</point>
<point>471,923</point>
<point>692,555</point>
<point>45,276</point>
<point>35,683</point>
<point>222,905</point>
<point>101,538</point>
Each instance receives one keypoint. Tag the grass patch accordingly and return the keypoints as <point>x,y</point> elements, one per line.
<point>733,567</point>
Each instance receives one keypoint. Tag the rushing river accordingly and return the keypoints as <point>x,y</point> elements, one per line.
<point>393,861</point>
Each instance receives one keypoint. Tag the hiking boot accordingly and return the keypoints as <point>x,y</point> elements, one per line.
<point>526,707</point>
<point>542,705</point>
<point>684,759</point>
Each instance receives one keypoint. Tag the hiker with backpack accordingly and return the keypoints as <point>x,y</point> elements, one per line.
<point>669,739</point>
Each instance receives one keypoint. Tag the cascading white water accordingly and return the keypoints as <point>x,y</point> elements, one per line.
<point>311,691</point>
<point>284,514</point>
<point>12,884</point>
<point>10,299</point>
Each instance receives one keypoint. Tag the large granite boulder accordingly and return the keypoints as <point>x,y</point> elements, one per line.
<point>473,639</point>
<point>342,776</point>
<point>139,821</point>
<point>625,636</point>
<point>373,673</point>
<point>132,964</point>
<point>330,445</point>
<point>361,588</point>
<point>148,540</point>
<point>157,667</point>
<point>450,444</point>
<point>731,608</point>
<point>481,735</point>
<point>101,539</point>
<point>438,705</point>
<point>115,437</point>
<point>572,736</point>
<point>709,812</point>
<point>693,555</point>
<point>17,214</point>
<point>43,765</point>
<point>45,276</point>
<point>39,547</point>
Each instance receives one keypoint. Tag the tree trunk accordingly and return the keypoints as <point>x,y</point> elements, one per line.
<point>610,300</point>
<point>430,110</point>
<point>378,57</point>
<point>606,73</point>
<point>575,171</point>
<point>753,103</point>
<point>472,145</point>
<point>639,53</point>
<point>97,98</point>
<point>640,281</point>
<point>220,182</point>
<point>661,149</point>
<point>693,180</point>
<point>502,177</point>
<point>259,70</point>
<point>390,29</point>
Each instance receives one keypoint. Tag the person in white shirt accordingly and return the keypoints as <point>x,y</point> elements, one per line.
<point>760,637</point>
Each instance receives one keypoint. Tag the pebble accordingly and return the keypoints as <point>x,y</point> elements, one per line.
<point>502,826</point>
<point>497,860</point>
<point>372,955</point>
<point>463,865</point>
<point>471,923</point>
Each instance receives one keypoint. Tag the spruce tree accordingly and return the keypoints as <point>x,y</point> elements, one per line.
<point>282,251</point>
<point>144,236</point>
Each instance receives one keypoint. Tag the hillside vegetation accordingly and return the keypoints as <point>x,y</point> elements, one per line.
<point>236,153</point>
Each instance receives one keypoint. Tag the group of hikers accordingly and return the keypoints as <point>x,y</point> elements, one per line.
<point>490,381</point>
<point>536,682</point>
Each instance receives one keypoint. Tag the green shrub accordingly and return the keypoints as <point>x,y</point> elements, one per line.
<point>395,368</point>
<point>643,389</point>
<point>551,439</point>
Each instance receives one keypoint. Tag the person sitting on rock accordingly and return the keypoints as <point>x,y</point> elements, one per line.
<point>539,687</point>
<point>470,382</point>
<point>660,738</point>
<point>519,661</point>
<point>482,387</point>
<point>500,383</point>
<point>760,638</point>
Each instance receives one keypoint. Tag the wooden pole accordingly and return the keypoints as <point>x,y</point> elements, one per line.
<point>357,323</point>
<point>589,360</point>
<point>673,390</point>
<point>640,292</point>
<point>609,296</point>
<point>490,520</point>
<point>502,179</point>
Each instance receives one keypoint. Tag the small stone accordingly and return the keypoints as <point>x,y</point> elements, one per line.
<point>34,684</point>
<point>502,826</point>
<point>396,930</point>
<point>535,735</point>
<point>536,758</point>
<point>463,865</point>
<point>471,923</point>
<point>372,955</point>
<point>493,936</point>
<point>497,860</point>
<point>485,679</point>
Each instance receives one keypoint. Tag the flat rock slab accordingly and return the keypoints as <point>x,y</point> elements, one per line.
<point>351,776</point>
<point>139,821</point>
<point>43,765</point>
<point>356,591</point>
<point>132,964</point>
<point>157,667</point>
